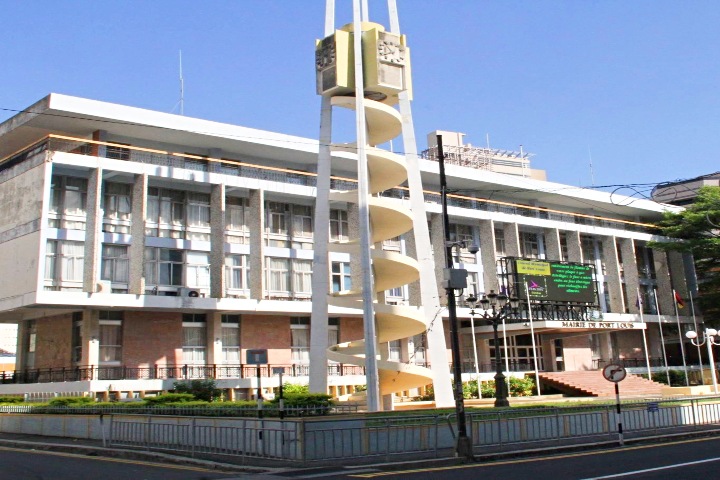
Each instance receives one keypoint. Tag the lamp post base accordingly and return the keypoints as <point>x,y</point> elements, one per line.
<point>501,391</point>
<point>464,448</point>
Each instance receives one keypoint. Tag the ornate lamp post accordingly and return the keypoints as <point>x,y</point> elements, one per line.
<point>710,340</point>
<point>495,308</point>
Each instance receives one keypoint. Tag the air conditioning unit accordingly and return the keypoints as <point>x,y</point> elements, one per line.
<point>104,286</point>
<point>188,292</point>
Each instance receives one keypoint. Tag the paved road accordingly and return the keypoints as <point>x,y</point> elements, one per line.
<point>22,464</point>
<point>688,459</point>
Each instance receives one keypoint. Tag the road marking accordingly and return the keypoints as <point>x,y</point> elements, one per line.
<point>656,469</point>
<point>534,459</point>
<point>116,460</point>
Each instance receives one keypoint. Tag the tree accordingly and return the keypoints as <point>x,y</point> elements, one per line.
<point>698,226</point>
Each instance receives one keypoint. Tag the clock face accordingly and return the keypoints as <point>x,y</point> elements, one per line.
<point>391,52</point>
<point>325,55</point>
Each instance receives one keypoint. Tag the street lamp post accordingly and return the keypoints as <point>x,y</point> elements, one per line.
<point>709,339</point>
<point>495,308</point>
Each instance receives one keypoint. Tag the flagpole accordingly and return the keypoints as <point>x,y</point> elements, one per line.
<point>680,337</point>
<point>692,308</point>
<point>644,335</point>
<point>532,335</point>
<point>662,337</point>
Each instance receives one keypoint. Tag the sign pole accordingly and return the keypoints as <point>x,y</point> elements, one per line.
<point>532,335</point>
<point>616,373</point>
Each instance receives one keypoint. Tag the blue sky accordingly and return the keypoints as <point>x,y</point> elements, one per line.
<point>632,85</point>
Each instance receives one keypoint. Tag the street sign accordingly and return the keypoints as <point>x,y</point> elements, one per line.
<point>614,373</point>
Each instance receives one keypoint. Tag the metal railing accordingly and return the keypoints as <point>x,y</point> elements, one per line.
<point>370,437</point>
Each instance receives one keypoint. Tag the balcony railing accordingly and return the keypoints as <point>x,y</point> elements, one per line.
<point>244,169</point>
<point>165,372</point>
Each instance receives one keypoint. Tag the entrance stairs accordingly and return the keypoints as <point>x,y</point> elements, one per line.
<point>592,384</point>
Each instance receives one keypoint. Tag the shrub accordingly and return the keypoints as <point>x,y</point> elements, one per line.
<point>294,388</point>
<point>677,378</point>
<point>170,398</point>
<point>200,389</point>
<point>70,401</point>
<point>11,399</point>
<point>487,389</point>
<point>470,389</point>
<point>522,387</point>
<point>307,403</point>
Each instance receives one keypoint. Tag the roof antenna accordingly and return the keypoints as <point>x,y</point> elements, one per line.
<point>592,173</point>
<point>181,102</point>
<point>182,88</point>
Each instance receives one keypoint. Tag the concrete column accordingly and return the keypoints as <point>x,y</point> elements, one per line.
<point>256,225</point>
<point>487,255</point>
<point>553,252</point>
<point>90,337</point>
<point>612,275</point>
<point>99,150</point>
<point>630,272</point>
<point>93,232</point>
<point>548,354</point>
<point>511,233</point>
<point>21,346</point>
<point>677,274</point>
<point>574,247</point>
<point>664,287</point>
<point>437,240</point>
<point>414,293</point>
<point>217,241</point>
<point>137,231</point>
<point>353,214</point>
<point>214,338</point>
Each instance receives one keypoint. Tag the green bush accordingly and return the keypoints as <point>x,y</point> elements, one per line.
<point>200,389</point>
<point>470,389</point>
<point>170,398</point>
<point>307,403</point>
<point>677,378</point>
<point>487,389</point>
<point>293,388</point>
<point>11,399</point>
<point>522,387</point>
<point>70,401</point>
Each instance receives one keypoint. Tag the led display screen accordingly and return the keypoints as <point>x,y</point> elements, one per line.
<point>554,281</point>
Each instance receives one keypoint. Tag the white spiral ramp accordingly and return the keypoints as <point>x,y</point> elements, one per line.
<point>388,219</point>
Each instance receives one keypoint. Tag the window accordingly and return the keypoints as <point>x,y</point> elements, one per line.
<point>419,346</point>
<point>236,272</point>
<point>276,224</point>
<point>117,202</point>
<point>341,277</point>
<point>194,338</point>
<point>529,245</point>
<point>302,277</point>
<point>165,212</point>
<point>300,340</point>
<point>333,331</point>
<point>286,277</point>
<point>115,264</point>
<point>163,266</point>
<point>198,216</point>
<point>394,350</point>
<point>499,242</point>
<point>235,219</point>
<point>110,337</point>
<point>197,269</point>
<point>564,247</point>
<point>278,271</point>
<point>117,152</point>
<point>339,226</point>
<point>64,261</point>
<point>302,221</point>
<point>587,244</point>
<point>68,203</point>
<point>231,339</point>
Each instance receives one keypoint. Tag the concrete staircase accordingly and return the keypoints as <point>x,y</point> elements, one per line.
<point>593,384</point>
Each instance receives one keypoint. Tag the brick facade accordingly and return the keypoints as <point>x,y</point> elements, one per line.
<point>152,338</point>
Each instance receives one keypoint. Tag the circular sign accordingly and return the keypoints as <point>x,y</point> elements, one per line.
<point>614,373</point>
